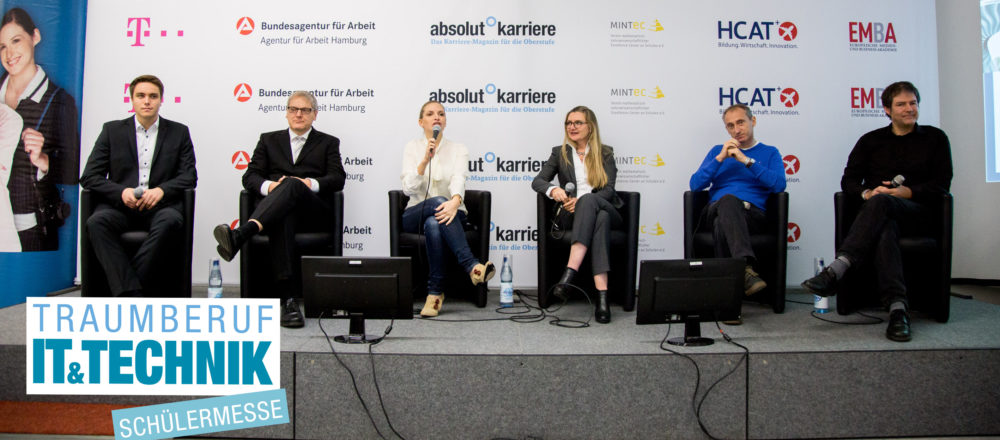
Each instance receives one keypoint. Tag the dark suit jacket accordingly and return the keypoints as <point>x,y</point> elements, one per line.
<point>319,159</point>
<point>114,163</point>
<point>566,173</point>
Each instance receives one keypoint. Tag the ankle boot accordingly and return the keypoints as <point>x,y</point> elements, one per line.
<point>602,313</point>
<point>561,291</point>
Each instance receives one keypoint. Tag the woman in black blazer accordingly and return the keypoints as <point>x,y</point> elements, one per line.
<point>590,166</point>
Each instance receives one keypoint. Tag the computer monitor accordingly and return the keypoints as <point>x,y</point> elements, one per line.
<point>690,291</point>
<point>357,288</point>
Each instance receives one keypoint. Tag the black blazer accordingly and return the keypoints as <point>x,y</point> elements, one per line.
<point>114,163</point>
<point>556,166</point>
<point>319,159</point>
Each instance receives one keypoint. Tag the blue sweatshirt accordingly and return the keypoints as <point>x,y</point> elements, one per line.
<point>730,176</point>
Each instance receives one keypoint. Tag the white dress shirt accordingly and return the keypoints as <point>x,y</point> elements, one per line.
<point>297,141</point>
<point>145,146</point>
<point>448,169</point>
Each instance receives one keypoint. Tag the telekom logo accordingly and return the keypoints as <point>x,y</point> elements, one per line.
<point>791,164</point>
<point>245,25</point>
<point>240,160</point>
<point>243,92</point>
<point>789,97</point>
<point>140,30</point>
<point>794,232</point>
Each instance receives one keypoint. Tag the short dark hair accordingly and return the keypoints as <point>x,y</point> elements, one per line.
<point>21,17</point>
<point>746,109</point>
<point>896,88</point>
<point>145,79</point>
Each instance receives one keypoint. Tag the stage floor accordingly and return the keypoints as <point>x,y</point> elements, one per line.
<point>807,378</point>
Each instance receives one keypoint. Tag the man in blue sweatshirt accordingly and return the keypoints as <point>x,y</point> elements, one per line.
<point>739,175</point>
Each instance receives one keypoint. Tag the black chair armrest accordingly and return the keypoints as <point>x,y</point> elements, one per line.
<point>480,206</point>
<point>694,203</point>
<point>397,202</point>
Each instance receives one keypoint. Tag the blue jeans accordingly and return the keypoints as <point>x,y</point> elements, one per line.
<point>437,237</point>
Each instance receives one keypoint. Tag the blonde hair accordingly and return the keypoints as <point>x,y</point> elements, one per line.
<point>425,106</point>
<point>594,161</point>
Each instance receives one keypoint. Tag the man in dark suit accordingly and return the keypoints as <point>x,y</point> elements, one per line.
<point>297,171</point>
<point>139,168</point>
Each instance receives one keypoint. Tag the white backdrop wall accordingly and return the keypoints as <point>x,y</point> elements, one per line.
<point>656,74</point>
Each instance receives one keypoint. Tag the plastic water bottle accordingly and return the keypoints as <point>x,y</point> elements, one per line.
<point>507,283</point>
<point>821,304</point>
<point>215,280</point>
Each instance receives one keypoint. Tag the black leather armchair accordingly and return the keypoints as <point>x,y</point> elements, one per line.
<point>926,262</point>
<point>175,278</point>
<point>256,274</point>
<point>553,253</point>
<point>770,246</point>
<point>477,233</point>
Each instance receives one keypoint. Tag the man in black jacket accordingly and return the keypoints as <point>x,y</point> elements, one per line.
<point>296,171</point>
<point>898,170</point>
<point>139,169</point>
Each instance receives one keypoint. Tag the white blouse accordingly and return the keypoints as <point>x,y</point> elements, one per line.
<point>448,169</point>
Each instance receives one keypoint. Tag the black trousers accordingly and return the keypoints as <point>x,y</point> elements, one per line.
<point>290,207</point>
<point>731,224</point>
<point>106,225</point>
<point>874,239</point>
<point>593,219</point>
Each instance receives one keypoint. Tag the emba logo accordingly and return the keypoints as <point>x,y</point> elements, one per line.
<point>862,32</point>
<point>756,30</point>
<point>867,98</point>
<point>245,25</point>
<point>243,92</point>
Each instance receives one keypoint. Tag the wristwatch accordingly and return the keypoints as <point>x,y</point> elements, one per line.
<point>750,161</point>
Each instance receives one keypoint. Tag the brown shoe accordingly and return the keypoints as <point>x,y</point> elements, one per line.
<point>752,282</point>
<point>737,321</point>
<point>433,306</point>
<point>482,273</point>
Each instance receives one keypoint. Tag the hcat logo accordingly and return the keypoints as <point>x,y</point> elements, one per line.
<point>656,229</point>
<point>245,25</point>
<point>866,102</point>
<point>654,93</point>
<point>794,232</point>
<point>788,31</point>
<point>241,160</point>
<point>243,92</point>
<point>743,34</point>
<point>632,25</point>
<point>871,37</point>
<point>128,99</point>
<point>139,28</point>
<point>789,97</point>
<point>791,164</point>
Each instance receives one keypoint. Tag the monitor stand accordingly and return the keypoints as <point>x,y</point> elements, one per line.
<point>356,332</point>
<point>692,334</point>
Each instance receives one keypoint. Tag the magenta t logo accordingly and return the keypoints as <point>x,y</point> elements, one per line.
<point>139,31</point>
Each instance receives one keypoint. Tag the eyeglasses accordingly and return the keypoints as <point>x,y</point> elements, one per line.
<point>577,124</point>
<point>304,110</point>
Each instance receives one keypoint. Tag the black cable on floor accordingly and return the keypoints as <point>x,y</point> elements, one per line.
<point>874,319</point>
<point>354,381</point>
<point>378,391</point>
<point>523,316</point>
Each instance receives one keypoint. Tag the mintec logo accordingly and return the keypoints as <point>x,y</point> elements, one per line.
<point>652,93</point>
<point>495,94</point>
<point>656,161</point>
<point>791,164</point>
<point>637,25</point>
<point>756,30</point>
<point>243,92</point>
<point>762,96</point>
<point>871,32</point>
<point>138,28</point>
<point>656,229</point>
<point>496,27</point>
<point>240,160</point>
<point>794,232</point>
<point>245,25</point>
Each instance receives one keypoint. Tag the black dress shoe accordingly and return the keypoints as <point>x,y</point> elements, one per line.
<point>602,313</point>
<point>824,284</point>
<point>227,243</point>
<point>291,317</point>
<point>561,291</point>
<point>899,326</point>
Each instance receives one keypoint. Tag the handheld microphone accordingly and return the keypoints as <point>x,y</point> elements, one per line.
<point>571,189</point>
<point>137,192</point>
<point>898,181</point>
<point>435,131</point>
